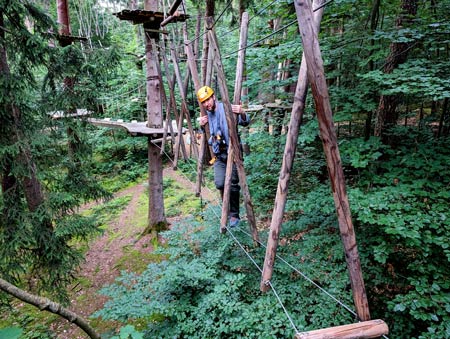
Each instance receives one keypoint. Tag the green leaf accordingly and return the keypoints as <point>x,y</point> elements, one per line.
<point>11,333</point>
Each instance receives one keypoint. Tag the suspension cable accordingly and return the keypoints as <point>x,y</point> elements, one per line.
<point>306,277</point>
<point>269,283</point>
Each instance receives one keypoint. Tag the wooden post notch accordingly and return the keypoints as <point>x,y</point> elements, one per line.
<point>366,329</point>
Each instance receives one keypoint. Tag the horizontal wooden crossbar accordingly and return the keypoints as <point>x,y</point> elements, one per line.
<point>362,330</point>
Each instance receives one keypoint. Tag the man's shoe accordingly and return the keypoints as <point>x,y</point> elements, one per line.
<point>234,221</point>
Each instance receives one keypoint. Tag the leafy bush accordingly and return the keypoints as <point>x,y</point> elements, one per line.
<point>401,212</point>
<point>208,289</point>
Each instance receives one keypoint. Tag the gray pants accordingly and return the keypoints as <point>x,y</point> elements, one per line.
<point>220,168</point>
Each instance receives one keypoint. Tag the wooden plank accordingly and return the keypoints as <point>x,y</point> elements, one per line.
<point>366,329</point>
<point>316,76</point>
<point>298,108</point>
<point>133,128</point>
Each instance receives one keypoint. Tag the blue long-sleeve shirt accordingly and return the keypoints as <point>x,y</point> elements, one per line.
<point>218,125</point>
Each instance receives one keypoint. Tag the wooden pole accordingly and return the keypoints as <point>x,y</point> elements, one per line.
<point>319,89</point>
<point>241,59</point>
<point>367,329</point>
<point>298,109</point>
<point>184,108</point>
<point>236,100</point>
<point>234,142</point>
<point>178,116</point>
<point>195,78</point>
<point>166,103</point>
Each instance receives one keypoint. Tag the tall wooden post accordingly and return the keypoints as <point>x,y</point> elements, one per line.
<point>156,217</point>
<point>195,78</point>
<point>298,109</point>
<point>319,89</point>
<point>234,142</point>
<point>236,100</point>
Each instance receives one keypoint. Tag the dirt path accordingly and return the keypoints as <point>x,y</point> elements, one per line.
<point>100,267</point>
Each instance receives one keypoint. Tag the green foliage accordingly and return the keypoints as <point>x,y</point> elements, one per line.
<point>401,211</point>
<point>46,165</point>
<point>179,201</point>
<point>128,332</point>
<point>206,280</point>
<point>416,78</point>
<point>10,333</point>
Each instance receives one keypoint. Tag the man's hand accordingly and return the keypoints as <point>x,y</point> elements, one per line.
<point>203,120</point>
<point>237,109</point>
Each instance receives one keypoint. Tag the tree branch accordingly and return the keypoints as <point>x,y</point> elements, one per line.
<point>45,304</point>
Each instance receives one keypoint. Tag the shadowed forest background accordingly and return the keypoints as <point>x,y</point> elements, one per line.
<point>386,65</point>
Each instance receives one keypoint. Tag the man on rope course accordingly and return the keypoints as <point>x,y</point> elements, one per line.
<point>219,141</point>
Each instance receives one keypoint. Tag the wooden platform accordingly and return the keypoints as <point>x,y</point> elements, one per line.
<point>80,112</point>
<point>134,128</point>
<point>139,16</point>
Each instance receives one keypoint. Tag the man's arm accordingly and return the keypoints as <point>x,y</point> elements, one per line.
<point>243,118</point>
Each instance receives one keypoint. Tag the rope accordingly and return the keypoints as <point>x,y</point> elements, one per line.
<point>269,283</point>
<point>273,33</point>
<point>306,277</point>
<point>213,25</point>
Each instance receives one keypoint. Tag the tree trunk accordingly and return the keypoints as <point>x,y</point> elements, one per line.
<point>156,217</point>
<point>374,16</point>
<point>209,12</point>
<point>443,117</point>
<point>387,108</point>
<point>63,17</point>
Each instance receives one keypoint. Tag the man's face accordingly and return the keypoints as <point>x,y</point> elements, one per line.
<point>210,103</point>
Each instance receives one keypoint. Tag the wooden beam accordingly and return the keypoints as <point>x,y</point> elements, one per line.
<point>316,75</point>
<point>298,108</point>
<point>366,329</point>
<point>174,7</point>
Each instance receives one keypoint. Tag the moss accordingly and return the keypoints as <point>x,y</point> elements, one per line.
<point>179,200</point>
<point>135,261</point>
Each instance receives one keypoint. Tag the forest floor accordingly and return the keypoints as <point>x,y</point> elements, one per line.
<point>119,247</point>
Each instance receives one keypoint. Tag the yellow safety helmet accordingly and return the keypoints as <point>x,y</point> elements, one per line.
<point>204,93</point>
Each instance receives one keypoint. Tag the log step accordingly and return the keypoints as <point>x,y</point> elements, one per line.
<point>362,330</point>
